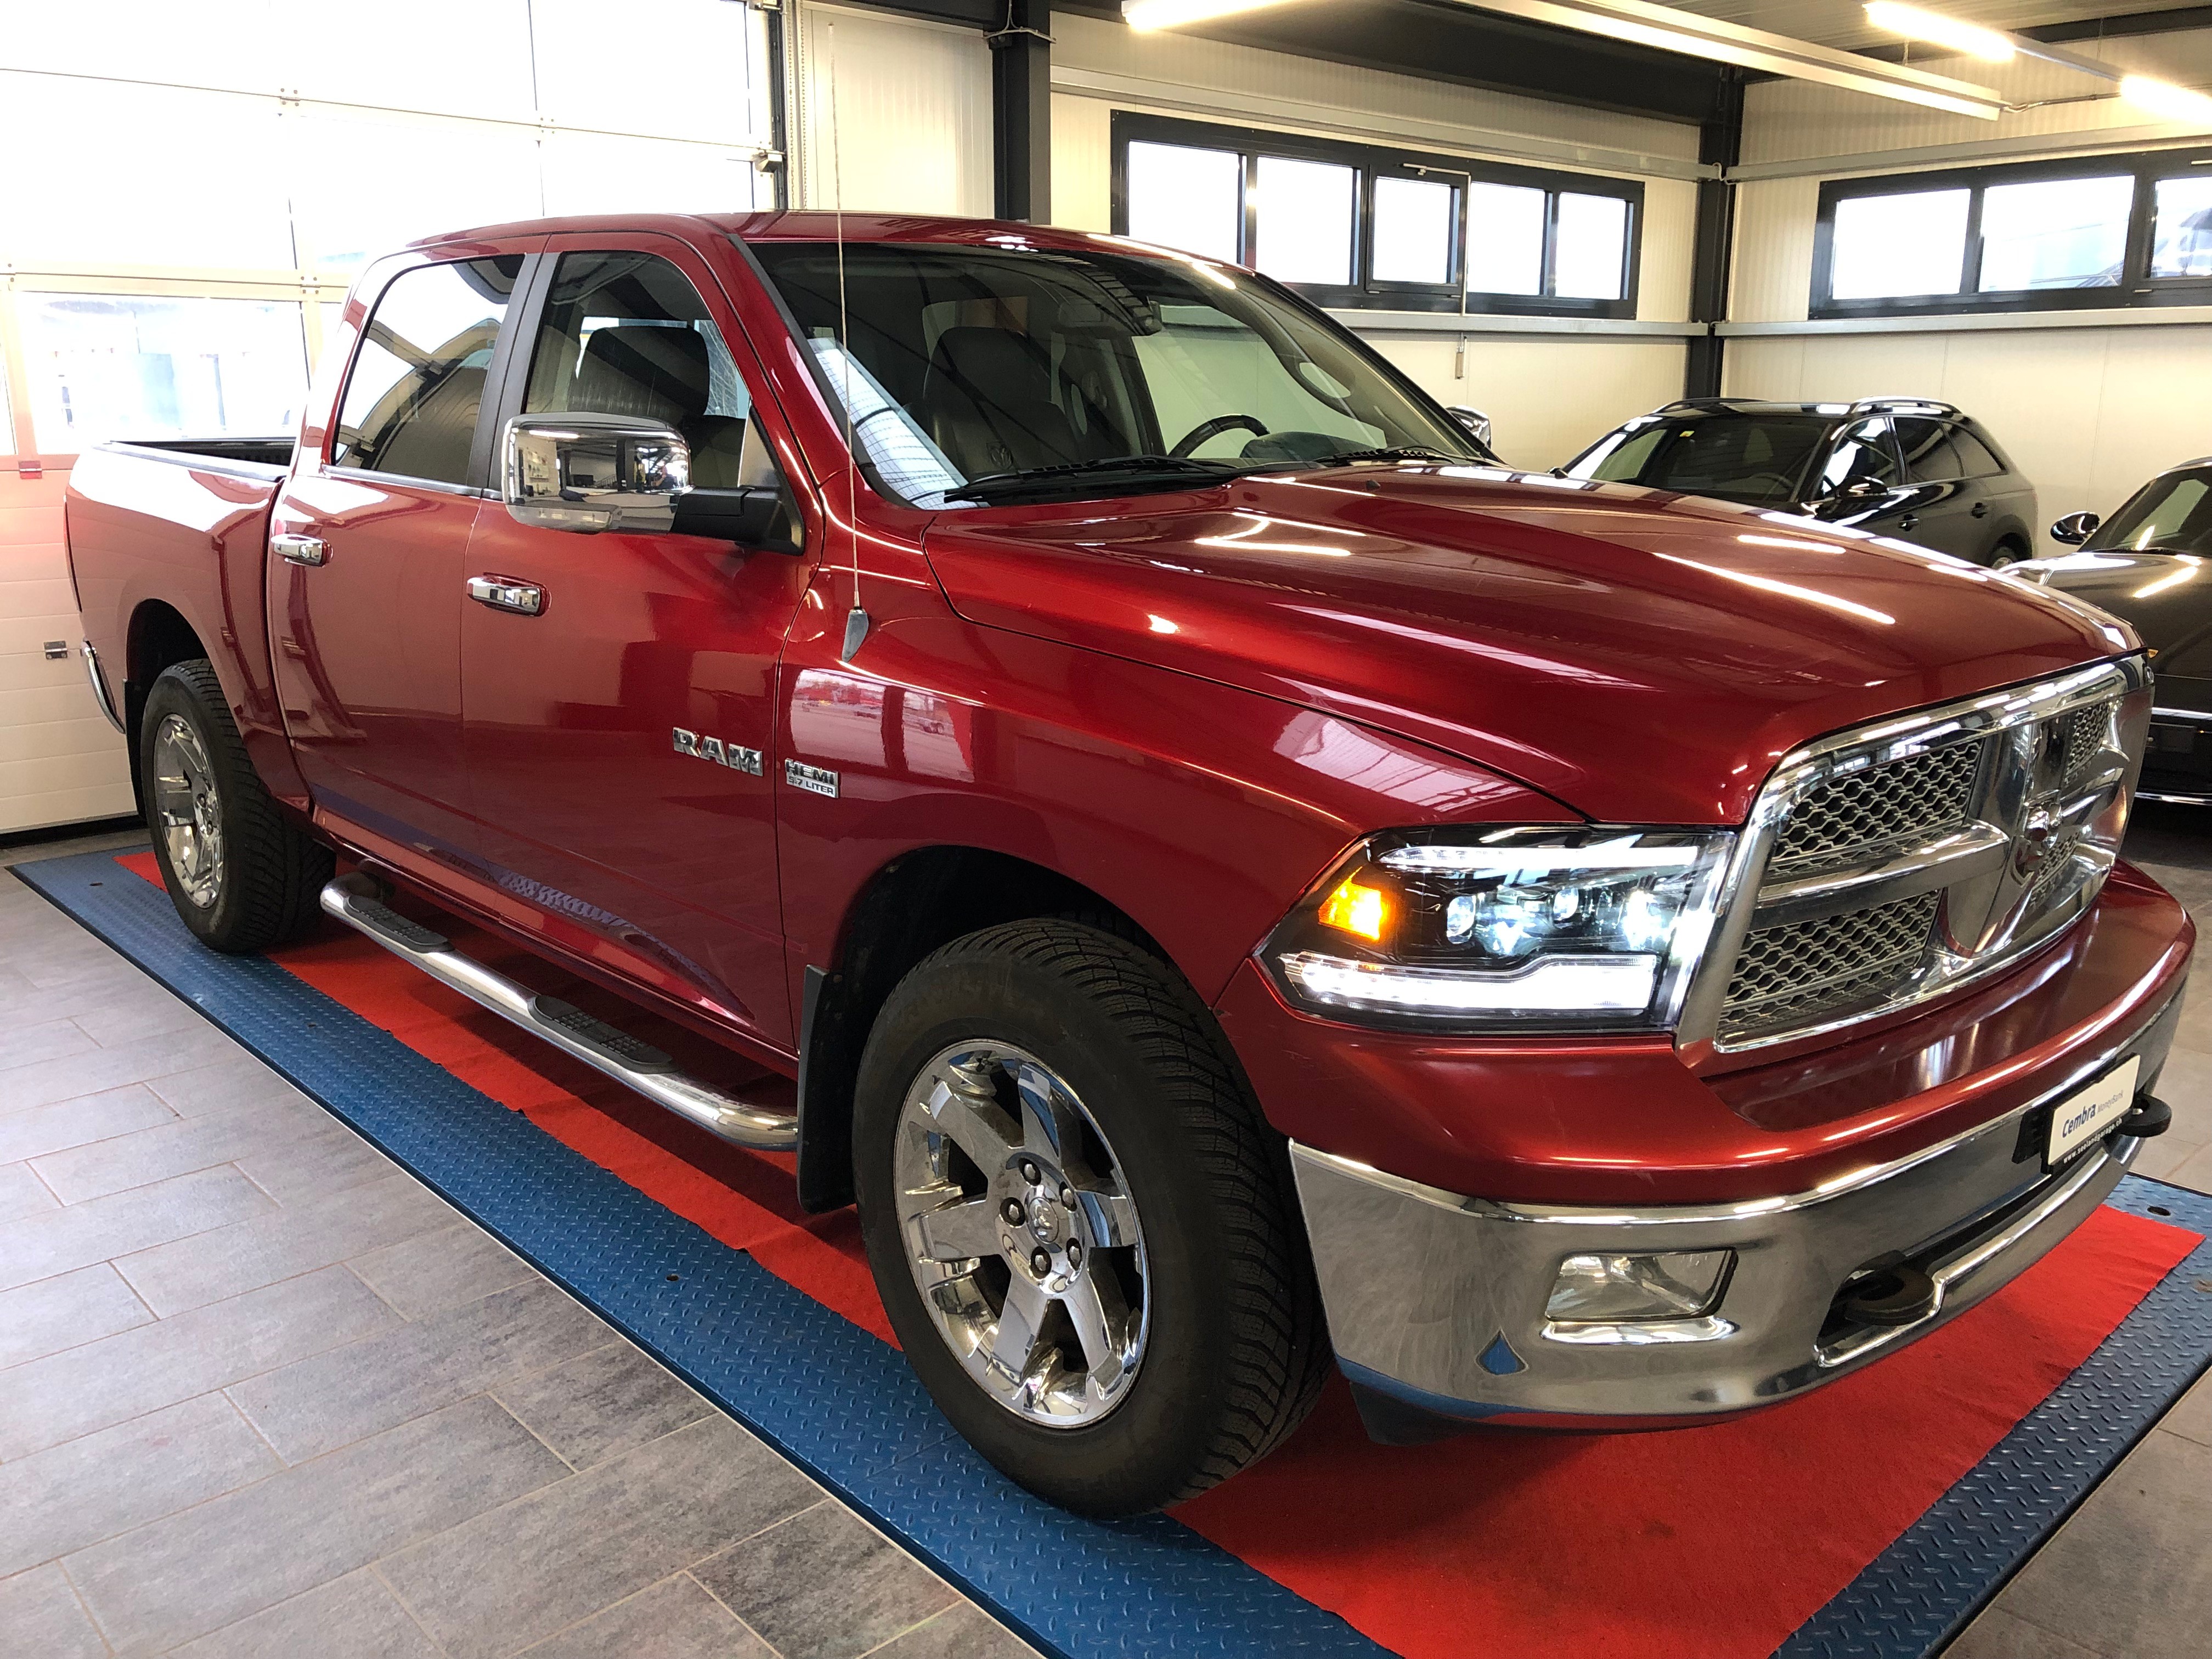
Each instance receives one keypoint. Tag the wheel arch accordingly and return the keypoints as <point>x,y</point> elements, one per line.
<point>158,636</point>
<point>923,899</point>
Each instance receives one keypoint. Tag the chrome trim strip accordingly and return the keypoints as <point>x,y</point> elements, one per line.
<point>733,1120</point>
<point>1709,1329</point>
<point>100,690</point>
<point>2174,800</point>
<point>1954,857</point>
<point>2195,716</point>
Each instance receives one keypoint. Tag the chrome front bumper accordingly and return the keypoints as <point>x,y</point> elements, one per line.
<point>1436,1301</point>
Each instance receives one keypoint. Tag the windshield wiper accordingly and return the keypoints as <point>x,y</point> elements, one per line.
<point>1388,452</point>
<point>994,485</point>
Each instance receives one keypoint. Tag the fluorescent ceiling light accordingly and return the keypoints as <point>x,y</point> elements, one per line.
<point>2163,98</point>
<point>1149,14</point>
<point>1670,29</point>
<point>1915,24</point>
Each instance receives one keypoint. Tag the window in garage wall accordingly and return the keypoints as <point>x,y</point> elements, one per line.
<point>2084,233</point>
<point>1365,227</point>
<point>226,196</point>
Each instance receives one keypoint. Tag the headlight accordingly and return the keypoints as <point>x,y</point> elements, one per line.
<point>1484,929</point>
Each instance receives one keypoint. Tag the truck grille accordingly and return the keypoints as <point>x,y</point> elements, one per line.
<point>1916,798</point>
<point>1803,971</point>
<point>1885,867</point>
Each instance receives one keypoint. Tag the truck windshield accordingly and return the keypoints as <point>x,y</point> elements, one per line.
<point>1758,459</point>
<point>979,374</point>
<point>2169,514</point>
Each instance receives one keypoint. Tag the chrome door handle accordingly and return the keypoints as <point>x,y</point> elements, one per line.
<point>300,549</point>
<point>502,593</point>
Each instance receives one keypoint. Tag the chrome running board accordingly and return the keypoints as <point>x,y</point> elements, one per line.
<point>355,901</point>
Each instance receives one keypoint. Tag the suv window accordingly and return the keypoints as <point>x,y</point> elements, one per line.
<point>1979,461</point>
<point>627,333</point>
<point>1861,455</point>
<point>1740,458</point>
<point>417,382</point>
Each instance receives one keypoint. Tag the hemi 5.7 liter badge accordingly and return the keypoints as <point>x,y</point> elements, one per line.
<point>736,757</point>
<point>814,778</point>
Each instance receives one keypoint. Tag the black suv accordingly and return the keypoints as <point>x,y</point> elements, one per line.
<point>1895,467</point>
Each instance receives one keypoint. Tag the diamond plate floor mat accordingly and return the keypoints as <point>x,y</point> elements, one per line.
<point>842,1403</point>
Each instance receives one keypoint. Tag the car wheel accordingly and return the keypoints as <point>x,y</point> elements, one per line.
<point>1082,1228</point>
<point>241,875</point>
<point>2007,552</point>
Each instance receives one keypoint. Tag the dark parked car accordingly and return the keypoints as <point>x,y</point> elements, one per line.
<point>1897,467</point>
<point>2146,565</point>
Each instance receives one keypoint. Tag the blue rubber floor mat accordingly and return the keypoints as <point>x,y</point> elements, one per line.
<point>845,1407</point>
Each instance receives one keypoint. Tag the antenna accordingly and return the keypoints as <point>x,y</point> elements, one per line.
<point>856,619</point>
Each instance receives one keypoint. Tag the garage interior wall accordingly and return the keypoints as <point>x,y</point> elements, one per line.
<point>2089,404</point>
<point>265,150</point>
<point>1551,386</point>
<point>911,113</point>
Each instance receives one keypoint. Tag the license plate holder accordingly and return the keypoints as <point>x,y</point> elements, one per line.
<point>2084,1116</point>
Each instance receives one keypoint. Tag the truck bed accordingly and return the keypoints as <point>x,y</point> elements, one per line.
<point>170,534</point>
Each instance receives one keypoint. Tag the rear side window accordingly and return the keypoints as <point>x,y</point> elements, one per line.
<point>1978,459</point>
<point>418,383</point>
<point>1929,455</point>
<point>626,333</point>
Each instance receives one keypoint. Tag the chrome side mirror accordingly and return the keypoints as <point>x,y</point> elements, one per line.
<point>589,472</point>
<point>2075,528</point>
<point>1476,422</point>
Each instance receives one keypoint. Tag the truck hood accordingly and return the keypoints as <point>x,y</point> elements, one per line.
<point>1640,657</point>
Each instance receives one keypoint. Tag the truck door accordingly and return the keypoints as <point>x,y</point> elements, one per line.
<point>365,569</point>
<point>617,688</point>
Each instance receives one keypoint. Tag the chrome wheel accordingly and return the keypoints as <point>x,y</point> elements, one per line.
<point>189,811</point>
<point>1021,1234</point>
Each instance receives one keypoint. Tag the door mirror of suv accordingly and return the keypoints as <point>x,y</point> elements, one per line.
<point>1476,422</point>
<point>589,472</point>
<point>2075,528</point>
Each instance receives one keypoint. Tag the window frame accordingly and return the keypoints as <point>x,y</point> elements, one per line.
<point>2135,286</point>
<point>379,281</point>
<point>1368,162</point>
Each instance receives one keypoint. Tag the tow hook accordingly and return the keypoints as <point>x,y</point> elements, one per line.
<point>2151,1116</point>
<point>1891,1293</point>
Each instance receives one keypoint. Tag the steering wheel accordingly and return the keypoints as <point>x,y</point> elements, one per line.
<point>1213,429</point>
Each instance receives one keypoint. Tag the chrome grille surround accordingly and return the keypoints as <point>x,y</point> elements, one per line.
<point>1795,952</point>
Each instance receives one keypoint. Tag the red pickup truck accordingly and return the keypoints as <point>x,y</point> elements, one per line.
<point>1227,876</point>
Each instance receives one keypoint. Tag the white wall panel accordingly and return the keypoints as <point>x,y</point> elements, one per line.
<point>911,113</point>
<point>1082,162</point>
<point>1548,397</point>
<point>1092,43</point>
<point>1772,272</point>
<point>1670,241</point>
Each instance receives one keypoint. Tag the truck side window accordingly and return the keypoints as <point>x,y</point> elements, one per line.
<point>627,334</point>
<point>417,382</point>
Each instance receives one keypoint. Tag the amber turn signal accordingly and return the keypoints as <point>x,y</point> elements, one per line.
<point>1357,909</point>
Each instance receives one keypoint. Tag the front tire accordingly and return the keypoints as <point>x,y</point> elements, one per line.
<point>242,875</point>
<point>1082,1228</point>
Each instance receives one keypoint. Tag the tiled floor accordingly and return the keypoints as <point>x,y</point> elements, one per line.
<point>264,1396</point>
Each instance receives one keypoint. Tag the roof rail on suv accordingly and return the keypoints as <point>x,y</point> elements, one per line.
<point>1692,402</point>
<point>1904,405</point>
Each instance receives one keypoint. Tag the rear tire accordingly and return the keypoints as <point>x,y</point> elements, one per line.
<point>1214,1346</point>
<point>242,875</point>
<point>2007,552</point>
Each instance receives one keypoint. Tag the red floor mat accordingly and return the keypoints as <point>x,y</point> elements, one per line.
<point>1706,1543</point>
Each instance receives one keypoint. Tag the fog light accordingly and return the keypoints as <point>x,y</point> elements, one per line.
<point>1677,1285</point>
